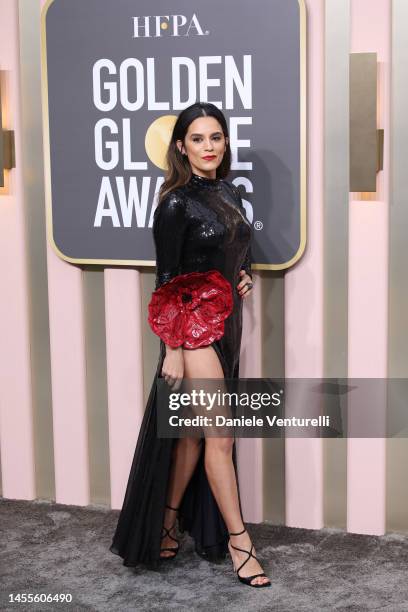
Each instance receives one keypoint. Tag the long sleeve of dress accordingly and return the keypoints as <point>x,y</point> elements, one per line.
<point>169,226</point>
<point>247,264</point>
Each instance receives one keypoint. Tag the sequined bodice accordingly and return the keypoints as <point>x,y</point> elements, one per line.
<point>202,226</point>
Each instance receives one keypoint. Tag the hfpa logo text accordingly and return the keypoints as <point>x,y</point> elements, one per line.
<point>157,26</point>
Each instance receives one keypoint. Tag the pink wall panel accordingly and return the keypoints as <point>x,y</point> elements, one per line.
<point>250,449</point>
<point>304,299</point>
<point>16,427</point>
<point>68,371</point>
<point>368,285</point>
<point>125,373</point>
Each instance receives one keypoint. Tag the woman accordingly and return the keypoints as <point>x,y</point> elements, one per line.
<point>199,225</point>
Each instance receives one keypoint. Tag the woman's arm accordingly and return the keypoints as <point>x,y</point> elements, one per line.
<point>247,264</point>
<point>169,227</point>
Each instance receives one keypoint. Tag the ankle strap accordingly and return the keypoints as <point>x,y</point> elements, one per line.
<point>167,506</point>
<point>239,533</point>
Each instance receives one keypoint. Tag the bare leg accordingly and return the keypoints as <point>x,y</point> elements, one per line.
<point>184,461</point>
<point>204,363</point>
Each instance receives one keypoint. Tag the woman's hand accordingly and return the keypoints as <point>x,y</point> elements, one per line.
<point>242,289</point>
<point>173,366</point>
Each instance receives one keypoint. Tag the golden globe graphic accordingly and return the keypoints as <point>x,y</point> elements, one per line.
<point>115,78</point>
<point>157,139</point>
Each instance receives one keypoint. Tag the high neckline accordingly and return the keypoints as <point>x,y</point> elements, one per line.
<point>204,181</point>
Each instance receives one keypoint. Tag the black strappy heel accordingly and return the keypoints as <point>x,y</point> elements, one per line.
<point>247,579</point>
<point>173,549</point>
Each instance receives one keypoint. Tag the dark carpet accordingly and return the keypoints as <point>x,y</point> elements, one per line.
<point>53,549</point>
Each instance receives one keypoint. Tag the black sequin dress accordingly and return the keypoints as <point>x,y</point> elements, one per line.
<point>198,227</point>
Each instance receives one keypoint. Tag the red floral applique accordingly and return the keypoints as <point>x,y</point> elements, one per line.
<point>190,309</point>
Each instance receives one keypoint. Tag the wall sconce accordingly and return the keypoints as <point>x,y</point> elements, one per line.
<point>366,141</point>
<point>7,151</point>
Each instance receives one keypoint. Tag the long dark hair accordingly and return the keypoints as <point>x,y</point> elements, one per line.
<point>178,167</point>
